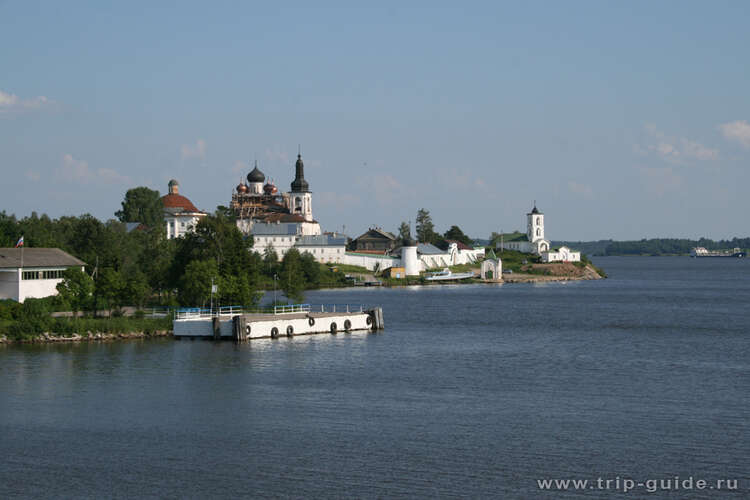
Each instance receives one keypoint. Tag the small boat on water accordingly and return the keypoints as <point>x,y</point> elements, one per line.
<point>447,275</point>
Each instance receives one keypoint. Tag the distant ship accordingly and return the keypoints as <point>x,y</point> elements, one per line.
<point>702,252</point>
<point>447,275</point>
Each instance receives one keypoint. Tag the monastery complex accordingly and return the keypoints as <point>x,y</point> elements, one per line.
<point>280,221</point>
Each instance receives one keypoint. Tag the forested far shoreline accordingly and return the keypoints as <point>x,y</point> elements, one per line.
<point>653,246</point>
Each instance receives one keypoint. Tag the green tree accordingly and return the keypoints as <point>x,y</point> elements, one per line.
<point>195,285</point>
<point>404,231</point>
<point>425,227</point>
<point>143,205</point>
<point>215,237</point>
<point>455,233</point>
<point>311,270</point>
<point>109,288</point>
<point>33,316</point>
<point>270,261</point>
<point>291,275</point>
<point>9,230</point>
<point>136,290</point>
<point>76,289</point>
<point>155,259</point>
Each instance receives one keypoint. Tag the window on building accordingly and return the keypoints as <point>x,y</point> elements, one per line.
<point>55,274</point>
<point>537,220</point>
<point>538,232</point>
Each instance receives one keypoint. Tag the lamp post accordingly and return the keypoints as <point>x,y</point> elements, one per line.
<point>275,278</point>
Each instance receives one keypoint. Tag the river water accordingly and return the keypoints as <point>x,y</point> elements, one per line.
<point>471,391</point>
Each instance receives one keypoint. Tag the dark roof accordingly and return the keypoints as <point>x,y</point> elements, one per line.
<point>429,249</point>
<point>491,255</point>
<point>377,233</point>
<point>37,257</point>
<point>535,210</point>
<point>177,203</point>
<point>320,240</point>
<point>132,226</point>
<point>273,229</point>
<point>280,217</point>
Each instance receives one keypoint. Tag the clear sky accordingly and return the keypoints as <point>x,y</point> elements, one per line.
<point>623,120</point>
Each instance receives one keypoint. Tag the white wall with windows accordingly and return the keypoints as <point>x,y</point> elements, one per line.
<point>562,254</point>
<point>326,254</point>
<point>280,243</point>
<point>34,283</point>
<point>180,224</point>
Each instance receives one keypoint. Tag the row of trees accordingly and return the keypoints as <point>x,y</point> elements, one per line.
<point>671,246</point>
<point>426,233</point>
<point>141,266</point>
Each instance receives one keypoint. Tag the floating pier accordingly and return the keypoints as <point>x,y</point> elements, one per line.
<point>233,323</point>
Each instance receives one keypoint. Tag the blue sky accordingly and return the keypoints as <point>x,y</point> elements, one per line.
<point>622,119</point>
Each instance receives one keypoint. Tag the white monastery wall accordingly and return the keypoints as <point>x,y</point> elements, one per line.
<point>370,261</point>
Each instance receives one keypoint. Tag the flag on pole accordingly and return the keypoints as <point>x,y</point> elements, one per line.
<point>20,242</point>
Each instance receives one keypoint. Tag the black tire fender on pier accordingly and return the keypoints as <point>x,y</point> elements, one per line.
<point>274,333</point>
<point>347,326</point>
<point>247,329</point>
<point>334,327</point>
<point>290,331</point>
<point>369,319</point>
<point>311,321</point>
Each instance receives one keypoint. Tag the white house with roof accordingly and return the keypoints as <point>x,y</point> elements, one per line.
<point>33,272</point>
<point>180,215</point>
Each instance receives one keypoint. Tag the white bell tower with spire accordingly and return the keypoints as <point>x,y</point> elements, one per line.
<point>300,197</point>
<point>535,231</point>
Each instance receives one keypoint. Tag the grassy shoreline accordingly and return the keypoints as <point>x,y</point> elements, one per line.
<point>58,329</point>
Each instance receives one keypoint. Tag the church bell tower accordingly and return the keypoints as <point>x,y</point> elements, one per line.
<point>535,225</point>
<point>300,197</point>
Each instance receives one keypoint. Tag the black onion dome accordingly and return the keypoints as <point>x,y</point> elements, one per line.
<point>256,175</point>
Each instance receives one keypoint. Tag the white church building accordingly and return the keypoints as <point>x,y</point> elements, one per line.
<point>534,242</point>
<point>180,215</point>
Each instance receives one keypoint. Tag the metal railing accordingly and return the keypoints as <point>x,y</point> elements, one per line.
<point>192,313</point>
<point>329,308</point>
<point>291,308</point>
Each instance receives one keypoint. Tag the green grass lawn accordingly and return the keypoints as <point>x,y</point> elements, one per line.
<point>346,268</point>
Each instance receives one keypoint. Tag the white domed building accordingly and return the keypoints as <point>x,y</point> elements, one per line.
<point>180,215</point>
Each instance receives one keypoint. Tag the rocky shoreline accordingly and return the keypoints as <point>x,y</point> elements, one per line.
<point>560,273</point>
<point>48,338</point>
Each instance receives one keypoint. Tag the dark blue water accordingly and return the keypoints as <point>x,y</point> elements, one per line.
<point>471,391</point>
